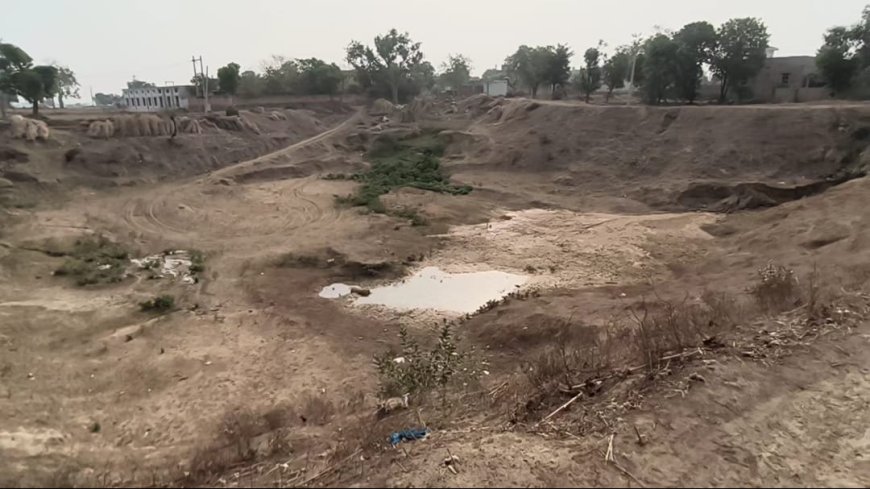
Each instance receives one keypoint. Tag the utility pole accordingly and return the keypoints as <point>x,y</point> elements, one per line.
<point>193,60</point>
<point>93,102</point>
<point>203,79</point>
<point>205,84</point>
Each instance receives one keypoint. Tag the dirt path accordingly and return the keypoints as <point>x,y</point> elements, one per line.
<point>283,153</point>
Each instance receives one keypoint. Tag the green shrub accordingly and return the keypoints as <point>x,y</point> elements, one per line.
<point>197,261</point>
<point>412,162</point>
<point>421,371</point>
<point>162,303</point>
<point>416,218</point>
<point>94,260</point>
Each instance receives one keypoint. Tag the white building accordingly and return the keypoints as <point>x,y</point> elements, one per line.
<point>496,88</point>
<point>155,99</point>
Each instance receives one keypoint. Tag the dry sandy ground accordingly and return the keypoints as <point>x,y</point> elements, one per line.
<point>256,336</point>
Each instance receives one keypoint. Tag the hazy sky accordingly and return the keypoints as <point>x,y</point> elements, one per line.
<point>108,42</point>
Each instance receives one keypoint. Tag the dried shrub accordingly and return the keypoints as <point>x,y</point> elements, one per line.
<point>317,410</point>
<point>776,289</point>
<point>234,442</point>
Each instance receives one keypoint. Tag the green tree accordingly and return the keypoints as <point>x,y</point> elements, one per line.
<point>251,84</point>
<point>837,59</point>
<point>529,66</point>
<point>695,44</point>
<point>12,60</point>
<point>589,77</point>
<point>200,84</point>
<point>67,85</point>
<point>739,53</point>
<point>392,61</point>
<point>135,84</point>
<point>281,76</point>
<point>493,74</point>
<point>557,66</point>
<point>35,84</point>
<point>659,68</point>
<point>422,77</point>
<point>106,99</point>
<point>317,77</point>
<point>615,70</point>
<point>228,78</point>
<point>456,71</point>
<point>844,58</point>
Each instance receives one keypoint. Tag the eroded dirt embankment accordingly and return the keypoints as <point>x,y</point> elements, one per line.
<point>674,158</point>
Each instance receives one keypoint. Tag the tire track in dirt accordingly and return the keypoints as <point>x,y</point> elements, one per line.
<point>154,215</point>
<point>271,157</point>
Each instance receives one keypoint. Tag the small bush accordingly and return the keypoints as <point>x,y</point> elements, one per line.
<point>162,303</point>
<point>94,260</point>
<point>776,289</point>
<point>233,443</point>
<point>421,371</point>
<point>292,260</point>
<point>232,111</point>
<point>197,261</point>
<point>317,410</point>
<point>412,215</point>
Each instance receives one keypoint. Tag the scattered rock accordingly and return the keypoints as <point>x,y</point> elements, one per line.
<point>697,378</point>
<point>360,291</point>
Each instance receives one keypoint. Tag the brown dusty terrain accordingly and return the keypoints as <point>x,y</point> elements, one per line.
<point>604,208</point>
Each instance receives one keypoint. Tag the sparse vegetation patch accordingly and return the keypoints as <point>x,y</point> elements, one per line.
<point>412,162</point>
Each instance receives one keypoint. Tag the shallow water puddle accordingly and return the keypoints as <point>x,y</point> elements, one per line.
<point>334,291</point>
<point>432,288</point>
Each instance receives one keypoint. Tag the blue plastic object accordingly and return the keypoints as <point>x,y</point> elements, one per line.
<point>408,435</point>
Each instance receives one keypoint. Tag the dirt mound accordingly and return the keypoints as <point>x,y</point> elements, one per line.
<point>461,142</point>
<point>188,125</point>
<point>666,150</point>
<point>29,129</point>
<point>382,107</point>
<point>418,109</point>
<point>138,125</point>
<point>12,154</point>
<point>231,123</point>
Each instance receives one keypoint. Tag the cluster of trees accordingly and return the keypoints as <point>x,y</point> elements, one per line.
<point>844,58</point>
<point>667,66</point>
<point>393,67</point>
<point>455,73</point>
<point>531,67</point>
<point>280,76</point>
<point>20,78</point>
<point>672,65</point>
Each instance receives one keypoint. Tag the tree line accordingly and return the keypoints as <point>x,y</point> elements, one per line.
<point>20,78</point>
<point>844,58</point>
<point>668,66</point>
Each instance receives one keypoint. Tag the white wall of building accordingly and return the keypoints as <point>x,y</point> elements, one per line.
<point>155,99</point>
<point>497,88</point>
